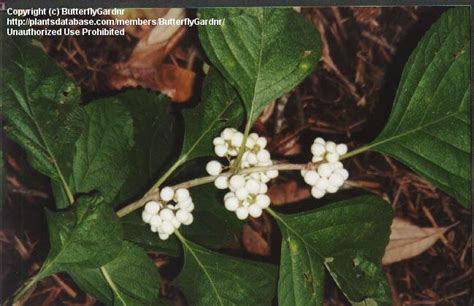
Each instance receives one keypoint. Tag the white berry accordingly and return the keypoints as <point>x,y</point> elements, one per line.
<point>343,172</point>
<point>163,236</point>
<point>263,201</point>
<point>221,182</point>
<point>332,189</point>
<point>167,194</point>
<point>255,211</point>
<point>318,149</point>
<point>262,142</point>
<point>322,183</point>
<point>263,156</point>
<point>241,193</point>
<point>324,170</point>
<point>189,207</point>
<point>317,159</point>
<point>218,141</point>
<point>231,204</point>
<point>311,177</point>
<point>229,195</point>
<point>182,215</point>
<point>317,193</point>
<point>175,222</point>
<point>263,178</point>
<point>242,213</point>
<point>252,158</point>
<point>341,149</point>
<point>252,186</point>
<point>152,207</point>
<point>336,180</point>
<point>146,217</point>
<point>319,140</point>
<point>167,227</point>
<point>331,146</point>
<point>272,174</point>
<point>220,150</point>
<point>185,204</point>
<point>228,133</point>
<point>237,139</point>
<point>166,214</point>
<point>250,143</point>
<point>237,181</point>
<point>155,221</point>
<point>214,167</point>
<point>332,157</point>
<point>189,220</point>
<point>182,195</point>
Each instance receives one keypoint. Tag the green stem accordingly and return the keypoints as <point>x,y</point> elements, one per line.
<point>356,151</point>
<point>22,291</point>
<point>19,295</point>
<point>272,212</point>
<point>112,285</point>
<point>180,237</point>
<point>165,176</point>
<point>238,161</point>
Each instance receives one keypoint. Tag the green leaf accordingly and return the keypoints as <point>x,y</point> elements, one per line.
<point>138,232</point>
<point>155,138</point>
<point>93,282</point>
<point>429,127</point>
<point>41,106</point>
<point>210,278</point>
<point>130,279</point>
<point>103,150</point>
<point>263,52</point>
<point>220,107</point>
<point>87,236</point>
<point>347,239</point>
<point>213,227</point>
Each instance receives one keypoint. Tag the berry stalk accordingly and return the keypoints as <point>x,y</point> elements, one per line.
<point>154,194</point>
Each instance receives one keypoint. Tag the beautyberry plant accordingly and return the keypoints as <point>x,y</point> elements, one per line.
<point>102,157</point>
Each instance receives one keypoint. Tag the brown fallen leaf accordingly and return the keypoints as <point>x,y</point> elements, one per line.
<point>171,80</point>
<point>408,240</point>
<point>146,68</point>
<point>254,242</point>
<point>288,192</point>
<point>146,14</point>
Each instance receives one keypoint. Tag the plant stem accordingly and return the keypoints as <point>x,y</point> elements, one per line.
<point>165,176</point>
<point>180,236</point>
<point>21,292</point>
<point>356,151</point>
<point>154,195</point>
<point>236,165</point>
<point>112,285</point>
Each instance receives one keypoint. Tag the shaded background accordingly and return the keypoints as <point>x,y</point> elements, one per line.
<point>346,99</point>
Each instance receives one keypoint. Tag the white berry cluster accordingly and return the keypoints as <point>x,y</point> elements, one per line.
<point>247,195</point>
<point>330,175</point>
<point>164,216</point>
